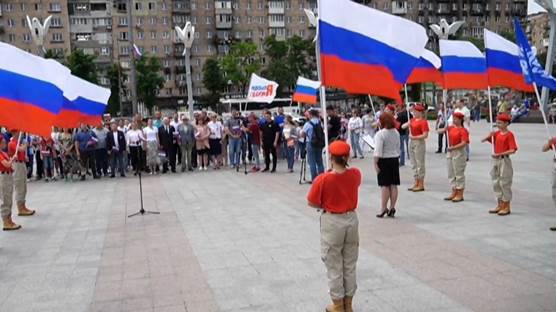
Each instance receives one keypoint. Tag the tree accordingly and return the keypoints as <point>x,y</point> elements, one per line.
<point>51,54</point>
<point>149,80</point>
<point>238,65</point>
<point>213,81</point>
<point>83,65</point>
<point>116,78</point>
<point>301,57</point>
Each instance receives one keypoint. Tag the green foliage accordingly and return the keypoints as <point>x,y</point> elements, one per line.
<point>116,78</point>
<point>238,65</point>
<point>508,34</point>
<point>213,81</point>
<point>83,65</point>
<point>149,80</point>
<point>479,43</point>
<point>50,54</point>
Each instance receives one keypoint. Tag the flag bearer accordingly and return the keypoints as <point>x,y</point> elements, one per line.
<point>418,133</point>
<point>336,193</point>
<point>6,188</point>
<point>502,171</point>
<point>458,138</point>
<point>547,147</point>
<point>20,173</point>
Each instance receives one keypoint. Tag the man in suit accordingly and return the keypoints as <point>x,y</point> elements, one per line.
<point>115,144</point>
<point>166,139</point>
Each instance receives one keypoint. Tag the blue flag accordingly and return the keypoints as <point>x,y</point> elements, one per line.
<point>532,69</point>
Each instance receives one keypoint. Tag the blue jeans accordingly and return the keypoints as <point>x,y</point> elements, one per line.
<point>355,146</point>
<point>255,150</point>
<point>47,166</point>
<point>117,161</point>
<point>314,158</point>
<point>404,141</point>
<point>235,151</point>
<point>290,155</point>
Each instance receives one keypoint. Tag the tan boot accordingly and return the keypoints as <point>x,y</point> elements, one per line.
<point>454,191</point>
<point>498,207</point>
<point>347,304</point>
<point>24,211</point>
<point>420,185</point>
<point>459,196</point>
<point>415,185</point>
<point>9,225</point>
<point>505,209</point>
<point>336,306</point>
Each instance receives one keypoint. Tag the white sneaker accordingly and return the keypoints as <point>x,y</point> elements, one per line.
<point>206,168</point>
<point>200,168</point>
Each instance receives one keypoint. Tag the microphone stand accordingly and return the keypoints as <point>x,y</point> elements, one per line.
<point>141,211</point>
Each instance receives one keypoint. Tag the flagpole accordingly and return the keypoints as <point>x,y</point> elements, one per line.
<point>445,100</point>
<point>541,107</point>
<point>372,105</point>
<point>491,118</point>
<point>407,107</point>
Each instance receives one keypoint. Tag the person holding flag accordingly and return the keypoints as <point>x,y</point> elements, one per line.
<point>7,188</point>
<point>419,132</point>
<point>18,152</point>
<point>458,138</point>
<point>549,146</point>
<point>502,171</point>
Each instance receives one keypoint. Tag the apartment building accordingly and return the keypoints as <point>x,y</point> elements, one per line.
<point>538,30</point>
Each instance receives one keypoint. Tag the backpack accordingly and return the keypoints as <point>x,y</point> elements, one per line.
<point>317,139</point>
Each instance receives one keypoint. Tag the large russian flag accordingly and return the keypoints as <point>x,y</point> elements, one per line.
<point>503,68</point>
<point>463,65</point>
<point>366,51</point>
<point>84,102</point>
<point>427,69</point>
<point>306,91</point>
<point>30,90</point>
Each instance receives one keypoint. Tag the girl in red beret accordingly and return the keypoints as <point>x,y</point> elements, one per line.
<point>502,171</point>
<point>336,193</point>
<point>458,138</point>
<point>6,188</point>
<point>418,133</point>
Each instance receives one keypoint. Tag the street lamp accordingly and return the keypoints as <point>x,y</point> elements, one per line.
<point>39,31</point>
<point>186,36</point>
<point>550,7</point>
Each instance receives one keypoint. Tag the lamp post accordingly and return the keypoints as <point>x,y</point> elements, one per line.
<point>186,36</point>
<point>550,7</point>
<point>38,32</point>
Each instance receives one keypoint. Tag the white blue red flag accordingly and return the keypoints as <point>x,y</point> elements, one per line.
<point>463,65</point>
<point>503,68</point>
<point>306,91</point>
<point>367,51</point>
<point>30,90</point>
<point>137,50</point>
<point>532,70</point>
<point>427,69</point>
<point>84,102</point>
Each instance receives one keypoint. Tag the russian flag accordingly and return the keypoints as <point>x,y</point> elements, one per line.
<point>306,91</point>
<point>463,65</point>
<point>503,68</point>
<point>366,51</point>
<point>427,69</point>
<point>84,102</point>
<point>30,90</point>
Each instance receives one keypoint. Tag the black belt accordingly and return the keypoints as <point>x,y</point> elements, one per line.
<point>501,157</point>
<point>333,212</point>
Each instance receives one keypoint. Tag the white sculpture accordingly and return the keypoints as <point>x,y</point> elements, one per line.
<point>38,30</point>
<point>549,5</point>
<point>186,35</point>
<point>314,21</point>
<point>443,30</point>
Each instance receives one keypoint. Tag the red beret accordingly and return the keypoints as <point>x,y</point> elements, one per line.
<point>391,107</point>
<point>504,117</point>
<point>339,148</point>
<point>459,115</point>
<point>419,107</point>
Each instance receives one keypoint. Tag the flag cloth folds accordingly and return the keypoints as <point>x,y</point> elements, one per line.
<point>306,91</point>
<point>30,90</point>
<point>84,102</point>
<point>427,69</point>
<point>532,70</point>
<point>261,90</point>
<point>366,51</point>
<point>463,65</point>
<point>503,68</point>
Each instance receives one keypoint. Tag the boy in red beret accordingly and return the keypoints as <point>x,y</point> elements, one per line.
<point>458,139</point>
<point>336,193</point>
<point>6,188</point>
<point>502,171</point>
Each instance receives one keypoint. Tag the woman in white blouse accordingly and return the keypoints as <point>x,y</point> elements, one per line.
<point>355,127</point>
<point>151,135</point>
<point>386,163</point>
<point>135,139</point>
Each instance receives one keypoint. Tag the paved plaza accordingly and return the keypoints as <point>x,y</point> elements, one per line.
<point>229,242</point>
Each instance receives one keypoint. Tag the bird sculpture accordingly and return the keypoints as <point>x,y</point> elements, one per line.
<point>38,30</point>
<point>186,35</point>
<point>443,30</point>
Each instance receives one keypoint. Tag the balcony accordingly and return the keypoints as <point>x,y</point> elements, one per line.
<point>399,7</point>
<point>545,42</point>
<point>276,24</point>
<point>223,21</point>
<point>276,7</point>
<point>222,7</point>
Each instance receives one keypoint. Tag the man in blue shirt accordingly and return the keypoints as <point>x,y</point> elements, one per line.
<point>85,143</point>
<point>314,154</point>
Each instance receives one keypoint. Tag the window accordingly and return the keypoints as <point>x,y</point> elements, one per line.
<point>207,6</point>
<point>124,50</point>
<point>194,20</point>
<point>260,5</point>
<point>38,7</point>
<point>165,35</point>
<point>140,35</point>
<point>288,5</point>
<point>209,35</point>
<point>22,7</point>
<point>138,6</point>
<point>302,33</point>
<point>164,20</point>
<point>236,19</point>
<point>209,49</point>
<point>153,20</point>
<point>153,34</point>
<point>276,18</point>
<point>302,20</point>
<point>208,20</point>
<point>104,51</point>
<point>249,34</point>
<point>166,63</point>
<point>261,33</point>
<point>152,6</point>
<point>197,62</point>
<point>167,49</point>
<point>123,35</point>
<point>249,5</point>
<point>249,19</point>
<point>193,6</point>
<point>122,21</point>
<point>57,37</point>
<point>164,7</point>
<point>11,37</point>
<point>238,35</point>
<point>8,7</point>
<point>235,5</point>
<point>56,22</point>
<point>83,37</point>
<point>138,21</point>
<point>81,7</point>
<point>27,37</point>
<point>197,34</point>
<point>288,19</point>
<point>153,50</point>
<point>11,23</point>
<point>301,5</point>
<point>195,49</point>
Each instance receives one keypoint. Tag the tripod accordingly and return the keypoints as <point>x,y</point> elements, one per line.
<point>303,169</point>
<point>139,165</point>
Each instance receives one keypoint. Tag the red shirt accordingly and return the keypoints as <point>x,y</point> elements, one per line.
<point>503,142</point>
<point>11,151</point>
<point>418,126</point>
<point>4,156</point>
<point>456,135</point>
<point>336,192</point>
<point>256,134</point>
